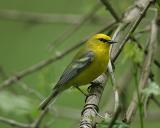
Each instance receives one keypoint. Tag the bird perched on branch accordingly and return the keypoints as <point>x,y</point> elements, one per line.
<point>89,63</point>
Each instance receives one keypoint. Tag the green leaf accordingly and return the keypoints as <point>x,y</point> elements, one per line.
<point>11,103</point>
<point>131,51</point>
<point>153,88</point>
<point>117,124</point>
<point>158,3</point>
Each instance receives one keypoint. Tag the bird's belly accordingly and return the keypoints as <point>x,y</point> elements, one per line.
<point>91,72</point>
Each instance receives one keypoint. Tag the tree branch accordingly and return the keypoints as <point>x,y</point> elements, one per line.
<point>115,116</point>
<point>35,124</point>
<point>145,73</point>
<point>41,18</point>
<point>111,10</point>
<point>38,121</point>
<point>92,101</point>
<point>14,123</point>
<point>157,63</point>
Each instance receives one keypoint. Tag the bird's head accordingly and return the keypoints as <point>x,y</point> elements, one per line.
<point>102,39</point>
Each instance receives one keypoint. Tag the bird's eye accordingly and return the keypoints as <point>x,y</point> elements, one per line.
<point>103,40</point>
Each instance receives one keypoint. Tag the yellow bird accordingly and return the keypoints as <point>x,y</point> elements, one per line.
<point>89,63</point>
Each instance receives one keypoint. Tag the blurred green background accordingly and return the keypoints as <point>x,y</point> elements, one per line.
<point>24,43</point>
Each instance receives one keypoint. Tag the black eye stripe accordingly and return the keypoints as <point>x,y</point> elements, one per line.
<point>103,40</point>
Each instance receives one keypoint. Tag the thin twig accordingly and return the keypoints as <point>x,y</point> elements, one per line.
<point>138,97</point>
<point>145,30</point>
<point>122,84</point>
<point>14,123</point>
<point>141,48</point>
<point>153,116</point>
<point>30,90</point>
<point>38,121</point>
<point>39,17</point>
<point>35,124</point>
<point>115,116</point>
<point>111,10</point>
<point>157,63</point>
<point>115,88</point>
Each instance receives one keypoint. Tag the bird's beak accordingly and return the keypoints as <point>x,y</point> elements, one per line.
<point>111,42</point>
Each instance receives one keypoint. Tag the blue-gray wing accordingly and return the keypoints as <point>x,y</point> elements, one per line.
<point>77,65</point>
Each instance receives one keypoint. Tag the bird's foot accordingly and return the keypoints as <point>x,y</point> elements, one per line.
<point>84,93</point>
<point>93,85</point>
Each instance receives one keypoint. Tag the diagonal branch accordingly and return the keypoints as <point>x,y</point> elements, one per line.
<point>35,17</point>
<point>157,63</point>
<point>111,10</point>
<point>14,123</point>
<point>35,124</point>
<point>38,121</point>
<point>115,116</point>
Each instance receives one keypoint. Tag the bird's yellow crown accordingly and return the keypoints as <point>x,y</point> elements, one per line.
<point>100,38</point>
<point>103,36</point>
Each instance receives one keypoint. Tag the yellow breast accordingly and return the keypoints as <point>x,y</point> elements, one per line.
<point>96,68</point>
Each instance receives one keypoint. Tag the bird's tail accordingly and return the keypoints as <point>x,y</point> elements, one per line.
<point>49,99</point>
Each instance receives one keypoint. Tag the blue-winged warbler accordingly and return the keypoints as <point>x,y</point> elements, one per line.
<point>89,63</point>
